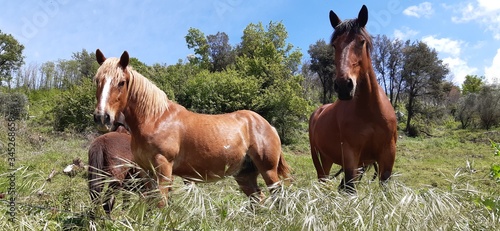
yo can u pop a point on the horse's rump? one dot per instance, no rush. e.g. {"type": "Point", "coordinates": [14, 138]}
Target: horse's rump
{"type": "Point", "coordinates": [109, 157]}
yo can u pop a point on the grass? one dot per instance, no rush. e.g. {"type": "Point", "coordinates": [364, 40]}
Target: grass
{"type": "Point", "coordinates": [439, 183]}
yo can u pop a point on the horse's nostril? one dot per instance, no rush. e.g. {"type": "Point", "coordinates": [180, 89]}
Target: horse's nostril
{"type": "Point", "coordinates": [106, 119]}
{"type": "Point", "coordinates": [96, 119]}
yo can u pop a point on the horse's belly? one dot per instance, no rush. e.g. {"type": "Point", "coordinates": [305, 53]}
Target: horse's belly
{"type": "Point", "coordinates": [208, 167]}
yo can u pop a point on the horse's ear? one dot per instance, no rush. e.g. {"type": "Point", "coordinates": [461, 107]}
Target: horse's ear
{"type": "Point", "coordinates": [124, 59]}
{"type": "Point", "coordinates": [363, 16]}
{"type": "Point", "coordinates": [334, 19]}
{"type": "Point", "coordinates": [99, 57]}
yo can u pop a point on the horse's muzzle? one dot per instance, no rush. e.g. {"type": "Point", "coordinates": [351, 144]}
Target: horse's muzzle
{"type": "Point", "coordinates": [103, 121]}
{"type": "Point", "coordinates": [344, 88]}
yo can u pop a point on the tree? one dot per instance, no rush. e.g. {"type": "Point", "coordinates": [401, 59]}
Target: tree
{"type": "Point", "coordinates": [423, 73]}
{"type": "Point", "coordinates": [466, 110]}
{"type": "Point", "coordinates": [488, 106]}
{"type": "Point", "coordinates": [67, 73]}
{"type": "Point", "coordinates": [221, 53]}
{"type": "Point", "coordinates": [311, 85]}
{"type": "Point", "coordinates": [87, 66]}
{"type": "Point", "coordinates": [387, 57]}
{"type": "Point", "coordinates": [178, 75]}
{"type": "Point", "coordinates": [47, 72]}
{"type": "Point", "coordinates": [11, 56]}
{"type": "Point", "coordinates": [322, 63]}
{"type": "Point", "coordinates": [472, 84]}
{"type": "Point", "coordinates": [196, 40]}
{"type": "Point", "coordinates": [286, 108]}
{"type": "Point", "coordinates": [27, 77]}
{"type": "Point", "coordinates": [264, 53]}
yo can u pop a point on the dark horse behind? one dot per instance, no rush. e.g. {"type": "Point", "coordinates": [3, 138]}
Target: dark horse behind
{"type": "Point", "coordinates": [111, 163]}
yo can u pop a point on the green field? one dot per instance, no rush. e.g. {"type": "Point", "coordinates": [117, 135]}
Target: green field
{"type": "Point", "coordinates": [440, 183]}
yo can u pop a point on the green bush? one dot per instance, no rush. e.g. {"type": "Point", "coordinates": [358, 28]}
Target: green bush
{"type": "Point", "coordinates": [220, 92]}
{"type": "Point", "coordinates": [285, 108]}
{"type": "Point", "coordinates": [13, 105]}
{"type": "Point", "coordinates": [41, 105]}
{"type": "Point", "coordinates": [74, 108]}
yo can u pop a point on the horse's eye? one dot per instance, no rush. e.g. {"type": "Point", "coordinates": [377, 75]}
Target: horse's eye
{"type": "Point", "coordinates": [121, 83]}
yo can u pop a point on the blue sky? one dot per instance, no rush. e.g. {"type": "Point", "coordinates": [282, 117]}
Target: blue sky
{"type": "Point", "coordinates": [466, 33]}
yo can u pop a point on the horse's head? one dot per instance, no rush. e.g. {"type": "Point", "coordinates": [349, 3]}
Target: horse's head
{"type": "Point", "coordinates": [112, 81]}
{"type": "Point", "coordinates": [352, 46]}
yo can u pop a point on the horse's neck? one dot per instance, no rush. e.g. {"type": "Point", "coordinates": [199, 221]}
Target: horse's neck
{"type": "Point", "coordinates": [136, 119]}
{"type": "Point", "coordinates": [145, 104]}
{"type": "Point", "coordinates": [369, 92]}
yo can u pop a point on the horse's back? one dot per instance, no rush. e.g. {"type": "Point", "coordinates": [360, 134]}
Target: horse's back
{"type": "Point", "coordinates": [110, 149]}
{"type": "Point", "coordinates": [117, 144]}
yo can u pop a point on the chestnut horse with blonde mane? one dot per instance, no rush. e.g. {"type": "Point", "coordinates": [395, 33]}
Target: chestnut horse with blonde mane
{"type": "Point", "coordinates": [167, 139]}
{"type": "Point", "coordinates": [360, 128]}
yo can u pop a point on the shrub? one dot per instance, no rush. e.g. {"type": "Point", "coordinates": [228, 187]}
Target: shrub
{"type": "Point", "coordinates": [74, 108]}
{"type": "Point", "coordinates": [13, 105]}
{"type": "Point", "coordinates": [220, 92]}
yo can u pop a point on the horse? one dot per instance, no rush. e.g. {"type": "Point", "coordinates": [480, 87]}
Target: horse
{"type": "Point", "coordinates": [360, 127]}
{"type": "Point", "coordinates": [109, 158]}
{"type": "Point", "coordinates": [167, 139]}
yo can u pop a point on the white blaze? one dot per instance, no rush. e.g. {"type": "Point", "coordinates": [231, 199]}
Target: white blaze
{"type": "Point", "coordinates": [105, 94]}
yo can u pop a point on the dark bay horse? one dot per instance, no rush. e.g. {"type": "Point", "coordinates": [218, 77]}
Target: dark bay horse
{"type": "Point", "coordinates": [167, 139]}
{"type": "Point", "coordinates": [359, 129]}
{"type": "Point", "coordinates": [109, 162]}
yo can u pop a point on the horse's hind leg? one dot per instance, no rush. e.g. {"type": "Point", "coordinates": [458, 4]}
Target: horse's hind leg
{"type": "Point", "coordinates": [247, 180]}
{"type": "Point", "coordinates": [386, 163]}
{"type": "Point", "coordinates": [109, 197]}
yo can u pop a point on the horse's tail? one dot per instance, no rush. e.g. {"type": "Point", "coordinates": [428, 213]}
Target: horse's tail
{"type": "Point", "coordinates": [97, 162]}
{"type": "Point", "coordinates": [284, 169]}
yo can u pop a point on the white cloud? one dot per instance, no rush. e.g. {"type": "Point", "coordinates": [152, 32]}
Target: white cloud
{"type": "Point", "coordinates": [424, 9]}
{"type": "Point", "coordinates": [492, 73]}
{"type": "Point", "coordinates": [405, 33]}
{"type": "Point", "coordinates": [459, 69]}
{"type": "Point", "coordinates": [452, 50]}
{"type": "Point", "coordinates": [492, 5]}
{"type": "Point", "coordinates": [485, 12]}
{"type": "Point", "coordinates": [444, 45]}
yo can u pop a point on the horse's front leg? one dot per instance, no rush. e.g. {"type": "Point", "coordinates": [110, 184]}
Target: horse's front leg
{"type": "Point", "coordinates": [352, 175]}
{"type": "Point", "coordinates": [350, 159]}
{"type": "Point", "coordinates": [322, 165]}
{"type": "Point", "coordinates": [163, 172]}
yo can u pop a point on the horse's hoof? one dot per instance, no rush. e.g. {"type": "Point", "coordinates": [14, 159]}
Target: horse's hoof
{"type": "Point", "coordinates": [161, 204]}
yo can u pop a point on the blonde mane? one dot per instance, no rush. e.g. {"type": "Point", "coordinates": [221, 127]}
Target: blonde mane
{"type": "Point", "coordinates": [150, 100]}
